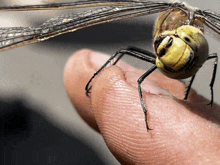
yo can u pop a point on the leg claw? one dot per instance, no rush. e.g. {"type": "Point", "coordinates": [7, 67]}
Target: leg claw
{"type": "Point", "coordinates": [88, 91]}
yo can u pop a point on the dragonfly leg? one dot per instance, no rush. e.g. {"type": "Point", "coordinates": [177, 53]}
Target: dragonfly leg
{"type": "Point", "coordinates": [137, 53]}
{"type": "Point", "coordinates": [211, 56]}
{"type": "Point", "coordinates": [87, 87]}
{"type": "Point", "coordinates": [139, 81]}
{"type": "Point", "coordinates": [189, 87]}
{"type": "Point", "coordinates": [131, 51]}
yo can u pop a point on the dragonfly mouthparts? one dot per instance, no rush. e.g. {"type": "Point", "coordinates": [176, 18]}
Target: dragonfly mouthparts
{"type": "Point", "coordinates": [158, 41]}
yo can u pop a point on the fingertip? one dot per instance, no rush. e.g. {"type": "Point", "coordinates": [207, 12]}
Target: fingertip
{"type": "Point", "coordinates": [80, 66]}
{"type": "Point", "coordinates": [77, 72]}
{"type": "Point", "coordinates": [114, 107]}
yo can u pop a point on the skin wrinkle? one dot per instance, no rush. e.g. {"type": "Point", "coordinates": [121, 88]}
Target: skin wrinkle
{"type": "Point", "coordinates": [118, 114]}
{"type": "Point", "coordinates": [185, 131]}
{"type": "Point", "coordinates": [138, 140]}
{"type": "Point", "coordinates": [170, 140]}
{"type": "Point", "coordinates": [116, 97]}
{"type": "Point", "coordinates": [104, 116]}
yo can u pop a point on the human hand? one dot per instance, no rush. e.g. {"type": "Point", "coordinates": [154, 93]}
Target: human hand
{"type": "Point", "coordinates": [183, 132]}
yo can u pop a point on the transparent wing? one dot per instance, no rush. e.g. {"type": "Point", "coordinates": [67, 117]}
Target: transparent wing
{"type": "Point", "coordinates": [212, 21]}
{"type": "Point", "coordinates": [19, 36]}
{"type": "Point", "coordinates": [68, 5]}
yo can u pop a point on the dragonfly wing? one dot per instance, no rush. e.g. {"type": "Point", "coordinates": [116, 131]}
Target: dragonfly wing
{"type": "Point", "coordinates": [212, 21]}
{"type": "Point", "coordinates": [15, 37]}
{"type": "Point", "coordinates": [68, 5]}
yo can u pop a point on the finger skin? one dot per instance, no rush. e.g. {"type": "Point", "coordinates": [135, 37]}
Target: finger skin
{"type": "Point", "coordinates": [77, 72]}
{"type": "Point", "coordinates": [183, 132]}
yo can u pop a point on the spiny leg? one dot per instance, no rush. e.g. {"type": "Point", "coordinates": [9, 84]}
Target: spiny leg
{"type": "Point", "coordinates": [87, 88]}
{"type": "Point", "coordinates": [137, 53]}
{"type": "Point", "coordinates": [211, 56]}
{"type": "Point", "coordinates": [189, 87]}
{"type": "Point", "coordinates": [132, 51]}
{"type": "Point", "coordinates": [139, 81]}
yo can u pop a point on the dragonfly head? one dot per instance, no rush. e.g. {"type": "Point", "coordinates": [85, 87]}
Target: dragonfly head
{"type": "Point", "coordinates": [181, 52]}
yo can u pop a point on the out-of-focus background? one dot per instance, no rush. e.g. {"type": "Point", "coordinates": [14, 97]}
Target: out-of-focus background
{"type": "Point", "coordinates": [38, 123]}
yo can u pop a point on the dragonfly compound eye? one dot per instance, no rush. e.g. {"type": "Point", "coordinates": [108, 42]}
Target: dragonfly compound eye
{"type": "Point", "coordinates": [196, 40]}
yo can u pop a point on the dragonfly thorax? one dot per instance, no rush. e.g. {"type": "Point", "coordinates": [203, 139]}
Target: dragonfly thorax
{"type": "Point", "coordinates": [181, 52]}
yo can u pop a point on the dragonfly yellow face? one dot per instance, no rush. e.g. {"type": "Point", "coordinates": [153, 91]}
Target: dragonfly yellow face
{"type": "Point", "coordinates": [179, 44]}
{"type": "Point", "coordinates": [181, 49]}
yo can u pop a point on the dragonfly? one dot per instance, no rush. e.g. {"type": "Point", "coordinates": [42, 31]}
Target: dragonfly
{"type": "Point", "coordinates": [180, 48]}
